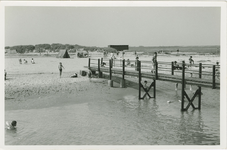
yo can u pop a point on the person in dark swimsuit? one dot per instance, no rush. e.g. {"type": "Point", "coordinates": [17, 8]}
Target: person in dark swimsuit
{"type": "Point", "coordinates": [60, 68]}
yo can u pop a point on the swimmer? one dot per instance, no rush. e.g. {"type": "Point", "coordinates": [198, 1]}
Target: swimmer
{"type": "Point", "coordinates": [11, 125]}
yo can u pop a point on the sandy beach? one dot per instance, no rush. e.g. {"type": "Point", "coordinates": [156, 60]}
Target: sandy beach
{"type": "Point", "coordinates": [35, 92]}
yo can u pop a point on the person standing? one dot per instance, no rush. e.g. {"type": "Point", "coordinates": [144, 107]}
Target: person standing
{"type": "Point", "coordinates": [5, 74]}
{"type": "Point", "coordinates": [60, 68]}
{"type": "Point", "coordinates": [20, 61]}
{"type": "Point", "coordinates": [136, 64]}
{"type": "Point", "coordinates": [154, 62]}
{"type": "Point", "coordinates": [191, 61]}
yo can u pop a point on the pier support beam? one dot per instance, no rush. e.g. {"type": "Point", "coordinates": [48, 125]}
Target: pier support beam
{"type": "Point", "coordinates": [99, 72]}
{"type": "Point", "coordinates": [122, 81]}
{"type": "Point", "coordinates": [110, 83]}
{"type": "Point", "coordinates": [145, 88]}
{"type": "Point", "coordinates": [185, 95]}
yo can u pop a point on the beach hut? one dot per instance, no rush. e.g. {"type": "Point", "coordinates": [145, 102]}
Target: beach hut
{"type": "Point", "coordinates": [63, 54]}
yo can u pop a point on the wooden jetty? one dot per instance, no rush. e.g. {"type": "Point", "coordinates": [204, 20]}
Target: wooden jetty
{"type": "Point", "coordinates": [203, 75]}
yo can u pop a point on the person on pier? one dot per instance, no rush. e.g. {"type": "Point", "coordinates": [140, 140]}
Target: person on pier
{"type": "Point", "coordinates": [217, 70]}
{"type": "Point", "coordinates": [154, 61]}
{"type": "Point", "coordinates": [191, 61]}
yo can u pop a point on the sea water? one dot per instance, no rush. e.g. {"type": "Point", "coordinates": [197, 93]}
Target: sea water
{"type": "Point", "coordinates": [121, 121]}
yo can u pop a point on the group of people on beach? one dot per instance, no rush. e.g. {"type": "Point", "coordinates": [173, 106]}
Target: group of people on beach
{"type": "Point", "coordinates": [25, 61]}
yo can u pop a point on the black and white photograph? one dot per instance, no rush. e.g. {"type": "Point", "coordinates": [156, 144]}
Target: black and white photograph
{"type": "Point", "coordinates": [113, 74]}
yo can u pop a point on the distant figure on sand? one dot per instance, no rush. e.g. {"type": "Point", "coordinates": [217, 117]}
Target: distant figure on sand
{"type": "Point", "coordinates": [60, 68]}
{"type": "Point", "coordinates": [154, 61]}
{"type": "Point", "coordinates": [11, 125]}
{"type": "Point", "coordinates": [5, 74]}
{"type": "Point", "coordinates": [74, 75]}
{"type": "Point", "coordinates": [32, 61]}
{"type": "Point", "coordinates": [25, 61]}
{"type": "Point", "coordinates": [20, 61]}
{"type": "Point", "coordinates": [191, 61]}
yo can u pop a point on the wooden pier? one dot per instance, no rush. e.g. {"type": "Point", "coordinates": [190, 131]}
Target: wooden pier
{"type": "Point", "coordinates": [201, 76]}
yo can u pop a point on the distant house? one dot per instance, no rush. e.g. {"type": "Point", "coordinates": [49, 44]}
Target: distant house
{"type": "Point", "coordinates": [119, 47]}
{"type": "Point", "coordinates": [63, 54]}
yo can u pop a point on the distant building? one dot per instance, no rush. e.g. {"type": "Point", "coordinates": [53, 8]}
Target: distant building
{"type": "Point", "coordinates": [119, 47]}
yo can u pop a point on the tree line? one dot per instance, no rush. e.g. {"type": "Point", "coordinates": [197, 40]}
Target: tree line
{"type": "Point", "coordinates": [55, 47]}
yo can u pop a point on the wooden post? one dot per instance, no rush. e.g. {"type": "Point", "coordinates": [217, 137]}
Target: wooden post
{"type": "Point", "coordinates": [200, 76]}
{"type": "Point", "coordinates": [156, 70]}
{"type": "Point", "coordinates": [200, 70]}
{"type": "Point", "coordinates": [172, 68]}
{"type": "Point", "coordinates": [110, 66]}
{"type": "Point", "coordinates": [199, 102]}
{"type": "Point", "coordinates": [99, 68]}
{"type": "Point", "coordinates": [213, 85]}
{"type": "Point", "coordinates": [110, 81]}
{"type": "Point", "coordinates": [138, 67]}
{"type": "Point", "coordinates": [123, 69]}
{"type": "Point", "coordinates": [122, 82]}
{"type": "Point", "coordinates": [183, 84]}
{"type": "Point", "coordinates": [154, 88]}
{"type": "Point", "coordinates": [101, 62]}
{"type": "Point", "coordinates": [89, 63]}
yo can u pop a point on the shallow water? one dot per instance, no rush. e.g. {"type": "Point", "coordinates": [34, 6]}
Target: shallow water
{"type": "Point", "coordinates": [121, 121]}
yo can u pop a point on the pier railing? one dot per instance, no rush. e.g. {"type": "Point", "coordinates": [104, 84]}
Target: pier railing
{"type": "Point", "coordinates": [206, 75]}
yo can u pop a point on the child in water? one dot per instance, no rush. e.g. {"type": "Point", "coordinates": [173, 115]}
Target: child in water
{"type": "Point", "coordinates": [11, 125]}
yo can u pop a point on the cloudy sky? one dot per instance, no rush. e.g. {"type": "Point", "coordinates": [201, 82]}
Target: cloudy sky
{"type": "Point", "coordinates": [102, 26]}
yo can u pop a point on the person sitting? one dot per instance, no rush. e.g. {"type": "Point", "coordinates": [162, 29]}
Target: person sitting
{"type": "Point", "coordinates": [74, 75]}
{"type": "Point", "coordinates": [11, 125]}
{"type": "Point", "coordinates": [25, 61]}
{"type": "Point", "coordinates": [103, 64]}
{"type": "Point", "coordinates": [176, 66]}
{"type": "Point", "coordinates": [32, 61]}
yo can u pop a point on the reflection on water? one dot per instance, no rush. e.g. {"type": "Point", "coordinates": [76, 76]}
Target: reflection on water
{"type": "Point", "coordinates": [126, 121]}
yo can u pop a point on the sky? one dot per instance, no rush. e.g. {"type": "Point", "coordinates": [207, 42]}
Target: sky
{"type": "Point", "coordinates": [103, 26]}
